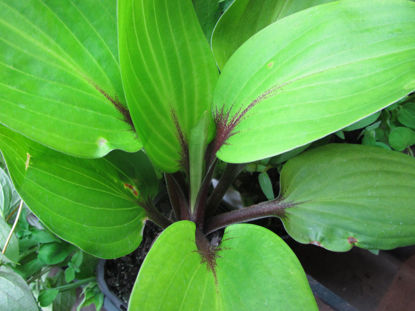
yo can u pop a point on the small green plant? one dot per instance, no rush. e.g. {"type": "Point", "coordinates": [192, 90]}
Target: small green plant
{"type": "Point", "coordinates": [35, 263]}
{"type": "Point", "coordinates": [80, 79]}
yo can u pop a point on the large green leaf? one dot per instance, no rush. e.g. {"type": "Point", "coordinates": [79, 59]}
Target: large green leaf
{"type": "Point", "coordinates": [15, 295]}
{"type": "Point", "coordinates": [244, 18]}
{"type": "Point", "coordinates": [60, 82]}
{"type": "Point", "coordinates": [255, 270]}
{"type": "Point", "coordinates": [350, 195]}
{"type": "Point", "coordinates": [90, 203]}
{"type": "Point", "coordinates": [168, 74]}
{"type": "Point", "coordinates": [313, 73]}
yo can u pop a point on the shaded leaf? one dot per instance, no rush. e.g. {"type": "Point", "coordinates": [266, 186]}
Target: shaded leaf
{"type": "Point", "coordinates": [54, 253]}
{"type": "Point", "coordinates": [266, 185]}
{"type": "Point", "coordinates": [15, 295]}
{"type": "Point", "coordinates": [401, 137]}
{"type": "Point", "coordinates": [69, 274]}
{"type": "Point", "coordinates": [60, 81]}
{"type": "Point", "coordinates": [350, 195]}
{"type": "Point", "coordinates": [46, 297]}
{"type": "Point", "coordinates": [65, 300]}
{"type": "Point", "coordinates": [6, 194]}
{"type": "Point", "coordinates": [244, 18]}
{"type": "Point", "coordinates": [168, 74]}
{"type": "Point", "coordinates": [406, 115]}
{"type": "Point", "coordinates": [362, 123]}
{"type": "Point", "coordinates": [313, 73]}
{"type": "Point", "coordinates": [12, 252]}
{"type": "Point", "coordinates": [90, 203]}
{"type": "Point", "coordinates": [208, 12]}
{"type": "Point", "coordinates": [252, 263]}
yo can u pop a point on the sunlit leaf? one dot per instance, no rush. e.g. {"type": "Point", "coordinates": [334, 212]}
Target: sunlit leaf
{"type": "Point", "coordinates": [90, 203]}
{"type": "Point", "coordinates": [254, 270]}
{"type": "Point", "coordinates": [168, 74]}
{"type": "Point", "coordinates": [60, 81]}
{"type": "Point", "coordinates": [313, 73]}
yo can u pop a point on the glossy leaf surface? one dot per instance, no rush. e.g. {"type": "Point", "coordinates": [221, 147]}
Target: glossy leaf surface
{"type": "Point", "coordinates": [313, 73]}
{"type": "Point", "coordinates": [15, 295]}
{"type": "Point", "coordinates": [168, 73]}
{"type": "Point", "coordinates": [350, 195]}
{"type": "Point", "coordinates": [90, 203]}
{"type": "Point", "coordinates": [255, 270]}
{"type": "Point", "coordinates": [60, 82]}
{"type": "Point", "coordinates": [244, 18]}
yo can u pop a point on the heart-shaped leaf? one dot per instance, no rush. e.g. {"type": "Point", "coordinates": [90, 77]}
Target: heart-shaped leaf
{"type": "Point", "coordinates": [90, 203]}
{"type": "Point", "coordinates": [60, 81]}
{"type": "Point", "coordinates": [401, 138]}
{"type": "Point", "coordinates": [313, 73]}
{"type": "Point", "coordinates": [244, 18]}
{"type": "Point", "coordinates": [406, 115]}
{"type": "Point", "coordinates": [253, 270]}
{"type": "Point", "coordinates": [168, 74]}
{"type": "Point", "coordinates": [348, 195]}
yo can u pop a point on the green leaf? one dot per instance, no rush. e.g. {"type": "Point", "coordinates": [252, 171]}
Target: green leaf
{"type": "Point", "coordinates": [60, 81]}
{"type": "Point", "coordinates": [138, 167]}
{"type": "Point", "coordinates": [12, 251]}
{"type": "Point", "coordinates": [266, 185]}
{"type": "Point", "coordinates": [69, 274]}
{"type": "Point", "coordinates": [15, 295]}
{"type": "Point", "coordinates": [197, 150]}
{"type": "Point", "coordinates": [348, 195]}
{"type": "Point", "coordinates": [288, 155]}
{"type": "Point", "coordinates": [77, 259]}
{"type": "Point", "coordinates": [168, 73]}
{"type": "Point", "coordinates": [208, 12]}
{"type": "Point", "coordinates": [46, 297]}
{"type": "Point", "coordinates": [90, 203]}
{"type": "Point", "coordinates": [91, 295]}
{"type": "Point", "coordinates": [254, 270]}
{"type": "Point", "coordinates": [363, 123]}
{"type": "Point", "coordinates": [244, 18]}
{"type": "Point", "coordinates": [54, 253]}
{"type": "Point", "coordinates": [313, 73]}
{"type": "Point", "coordinates": [406, 115]}
{"type": "Point", "coordinates": [29, 268]}
{"type": "Point", "coordinates": [6, 194]}
{"type": "Point", "coordinates": [401, 138]}
{"type": "Point", "coordinates": [64, 301]}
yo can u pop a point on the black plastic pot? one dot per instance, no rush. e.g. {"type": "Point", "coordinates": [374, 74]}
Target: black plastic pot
{"type": "Point", "coordinates": [111, 301]}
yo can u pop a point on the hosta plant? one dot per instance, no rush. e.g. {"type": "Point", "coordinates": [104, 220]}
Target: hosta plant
{"type": "Point", "coordinates": [85, 85]}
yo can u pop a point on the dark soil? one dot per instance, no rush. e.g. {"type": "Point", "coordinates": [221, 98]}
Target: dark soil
{"type": "Point", "coordinates": [120, 273]}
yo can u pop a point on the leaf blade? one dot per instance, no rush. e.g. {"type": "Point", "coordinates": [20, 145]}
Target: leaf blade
{"type": "Point", "coordinates": [87, 202]}
{"type": "Point", "coordinates": [168, 73]}
{"type": "Point", "coordinates": [350, 195]}
{"type": "Point", "coordinates": [288, 95]}
{"type": "Point", "coordinates": [185, 283]}
{"type": "Point", "coordinates": [244, 18]}
{"type": "Point", "coordinates": [60, 78]}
